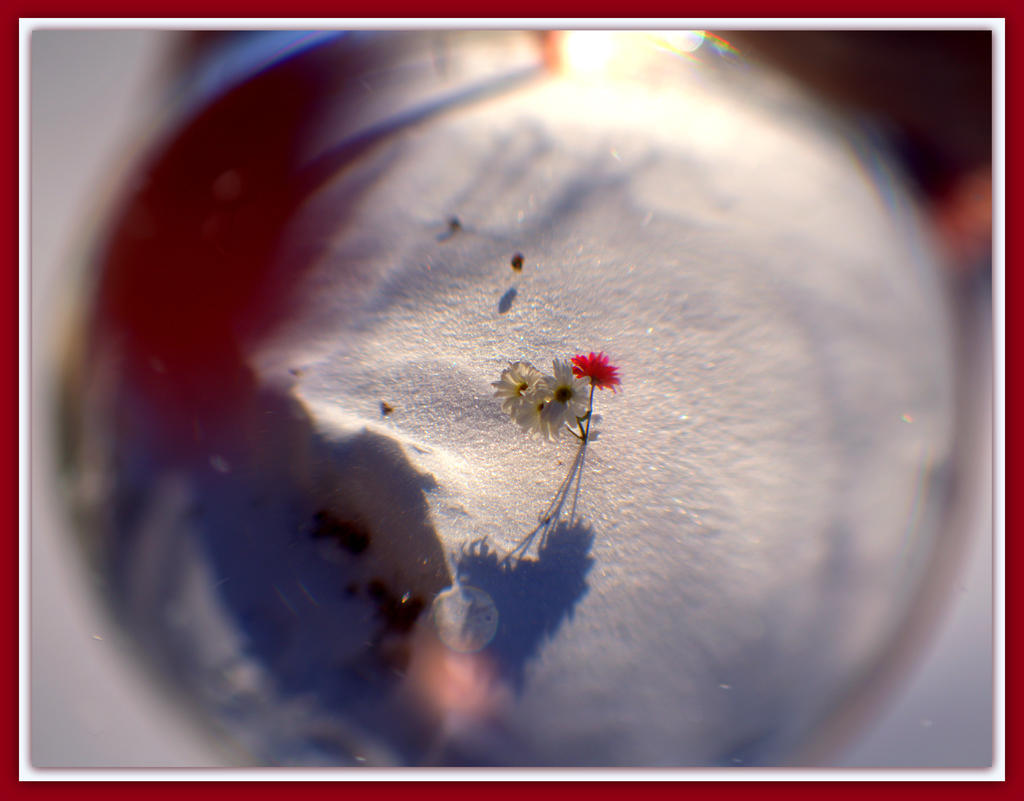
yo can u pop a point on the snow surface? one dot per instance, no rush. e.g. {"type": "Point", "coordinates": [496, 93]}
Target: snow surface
{"type": "Point", "coordinates": [741, 547]}
{"type": "Point", "coordinates": [753, 511]}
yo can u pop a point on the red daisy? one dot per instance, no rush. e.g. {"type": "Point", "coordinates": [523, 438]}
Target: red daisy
{"type": "Point", "coordinates": [596, 367]}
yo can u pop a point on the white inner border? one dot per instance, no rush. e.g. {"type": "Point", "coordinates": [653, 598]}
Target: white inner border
{"type": "Point", "coordinates": [996, 772]}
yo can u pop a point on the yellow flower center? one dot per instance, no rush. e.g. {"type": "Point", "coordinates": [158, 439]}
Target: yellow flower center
{"type": "Point", "coordinates": [563, 394]}
{"type": "Point", "coordinates": [521, 388]}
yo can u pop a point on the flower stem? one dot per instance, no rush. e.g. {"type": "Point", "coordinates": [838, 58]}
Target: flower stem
{"type": "Point", "coordinates": [582, 436]}
{"type": "Point", "coordinates": [590, 411]}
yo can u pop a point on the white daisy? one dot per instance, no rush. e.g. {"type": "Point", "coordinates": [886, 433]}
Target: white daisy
{"type": "Point", "coordinates": [530, 414]}
{"type": "Point", "coordinates": [516, 381]}
{"type": "Point", "coordinates": [568, 396]}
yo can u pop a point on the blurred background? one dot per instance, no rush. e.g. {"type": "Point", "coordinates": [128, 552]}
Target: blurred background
{"type": "Point", "coordinates": [99, 99]}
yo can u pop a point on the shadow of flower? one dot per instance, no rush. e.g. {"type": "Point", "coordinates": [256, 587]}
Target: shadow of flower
{"type": "Point", "coordinates": [534, 596]}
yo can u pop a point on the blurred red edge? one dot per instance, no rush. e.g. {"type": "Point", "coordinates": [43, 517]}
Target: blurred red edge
{"type": "Point", "coordinates": [597, 781]}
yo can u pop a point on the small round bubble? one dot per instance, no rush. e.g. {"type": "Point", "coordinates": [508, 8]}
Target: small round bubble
{"type": "Point", "coordinates": [466, 618]}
